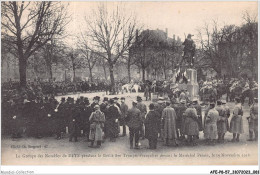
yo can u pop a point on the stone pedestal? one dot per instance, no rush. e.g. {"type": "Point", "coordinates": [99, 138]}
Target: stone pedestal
{"type": "Point", "coordinates": [192, 86]}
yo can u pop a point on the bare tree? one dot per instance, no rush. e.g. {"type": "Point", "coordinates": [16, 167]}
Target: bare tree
{"type": "Point", "coordinates": [27, 26]}
{"type": "Point", "coordinates": [91, 60]}
{"type": "Point", "coordinates": [52, 53]}
{"type": "Point", "coordinates": [112, 32]}
{"type": "Point", "coordinates": [76, 61]}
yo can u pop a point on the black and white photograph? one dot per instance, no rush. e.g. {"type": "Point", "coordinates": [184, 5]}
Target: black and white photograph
{"type": "Point", "coordinates": [129, 83]}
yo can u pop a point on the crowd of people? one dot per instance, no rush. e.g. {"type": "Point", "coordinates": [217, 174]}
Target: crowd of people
{"type": "Point", "coordinates": [58, 87]}
{"type": "Point", "coordinates": [172, 121]}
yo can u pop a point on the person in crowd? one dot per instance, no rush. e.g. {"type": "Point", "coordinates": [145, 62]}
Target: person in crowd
{"type": "Point", "coordinates": [180, 110]}
{"type": "Point", "coordinates": [236, 123]}
{"type": "Point", "coordinates": [211, 130]}
{"type": "Point", "coordinates": [197, 106]}
{"type": "Point", "coordinates": [74, 121]}
{"type": "Point", "coordinates": [97, 120]}
{"type": "Point", "coordinates": [112, 114]}
{"type": "Point", "coordinates": [159, 106]}
{"type": "Point", "coordinates": [221, 123]}
{"type": "Point", "coordinates": [169, 121]}
{"type": "Point", "coordinates": [191, 126]}
{"type": "Point", "coordinates": [103, 105]}
{"type": "Point", "coordinates": [86, 115]}
{"type": "Point", "coordinates": [134, 122]}
{"type": "Point", "coordinates": [60, 122]}
{"type": "Point", "coordinates": [226, 117]}
{"type": "Point", "coordinates": [116, 102]}
{"type": "Point", "coordinates": [146, 92]}
{"type": "Point", "coordinates": [152, 126]}
{"type": "Point", "coordinates": [123, 109]}
{"type": "Point", "coordinates": [253, 121]}
{"type": "Point", "coordinates": [117, 105]}
{"type": "Point", "coordinates": [96, 100]}
{"type": "Point", "coordinates": [142, 107]}
{"type": "Point", "coordinates": [15, 118]}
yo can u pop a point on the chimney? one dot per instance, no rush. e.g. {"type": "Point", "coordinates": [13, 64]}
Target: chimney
{"type": "Point", "coordinates": [166, 31]}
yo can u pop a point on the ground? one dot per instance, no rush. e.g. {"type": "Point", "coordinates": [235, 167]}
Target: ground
{"type": "Point", "coordinates": [49, 151]}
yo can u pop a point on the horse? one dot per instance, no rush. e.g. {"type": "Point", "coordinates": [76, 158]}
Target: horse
{"type": "Point", "coordinates": [126, 87]}
{"type": "Point", "coordinates": [135, 87]}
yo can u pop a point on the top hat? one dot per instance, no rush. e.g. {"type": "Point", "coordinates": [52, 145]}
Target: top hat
{"type": "Point", "coordinates": [105, 99]}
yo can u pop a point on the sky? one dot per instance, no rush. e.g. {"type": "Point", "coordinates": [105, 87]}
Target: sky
{"type": "Point", "coordinates": [178, 17]}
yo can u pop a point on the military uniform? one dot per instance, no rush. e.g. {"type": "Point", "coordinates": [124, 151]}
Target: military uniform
{"type": "Point", "coordinates": [124, 109]}
{"type": "Point", "coordinates": [253, 122]}
{"type": "Point", "coordinates": [142, 108]}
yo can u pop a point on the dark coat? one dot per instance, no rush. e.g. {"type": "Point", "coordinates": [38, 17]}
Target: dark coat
{"type": "Point", "coordinates": [152, 125]}
{"type": "Point", "coordinates": [111, 115]}
{"type": "Point", "coordinates": [134, 118]}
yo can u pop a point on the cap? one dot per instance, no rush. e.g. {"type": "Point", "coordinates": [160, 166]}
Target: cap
{"type": "Point", "coordinates": [105, 99]}
{"type": "Point", "coordinates": [183, 101]}
{"type": "Point", "coordinates": [161, 98]}
{"type": "Point", "coordinates": [134, 101]}
{"type": "Point", "coordinates": [96, 107]}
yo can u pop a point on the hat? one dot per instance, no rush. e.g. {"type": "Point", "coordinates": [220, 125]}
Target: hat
{"type": "Point", "coordinates": [122, 98]}
{"type": "Point", "coordinates": [183, 101]}
{"type": "Point", "coordinates": [195, 99]}
{"type": "Point", "coordinates": [96, 98]}
{"type": "Point", "coordinates": [111, 100]}
{"type": "Point", "coordinates": [224, 101]}
{"type": "Point", "coordinates": [161, 98]}
{"type": "Point", "coordinates": [115, 98]}
{"type": "Point", "coordinates": [96, 107]}
{"type": "Point", "coordinates": [63, 99]}
{"type": "Point", "coordinates": [26, 101]}
{"type": "Point", "coordinates": [105, 99]}
{"type": "Point", "coordinates": [138, 98]}
{"type": "Point", "coordinates": [212, 103]}
{"type": "Point", "coordinates": [134, 101]}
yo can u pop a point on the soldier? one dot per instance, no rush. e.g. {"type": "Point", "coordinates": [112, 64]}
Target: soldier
{"type": "Point", "coordinates": [191, 127]}
{"type": "Point", "coordinates": [236, 123]}
{"type": "Point", "coordinates": [124, 109]}
{"type": "Point", "coordinates": [159, 106]}
{"type": "Point", "coordinates": [117, 105]}
{"type": "Point", "coordinates": [180, 110]}
{"type": "Point", "coordinates": [142, 108]}
{"type": "Point", "coordinates": [169, 120]}
{"type": "Point", "coordinates": [199, 114]}
{"type": "Point", "coordinates": [253, 121]}
{"type": "Point", "coordinates": [210, 131]}
{"type": "Point", "coordinates": [134, 122]}
{"type": "Point", "coordinates": [221, 124]}
{"type": "Point", "coordinates": [97, 120]}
